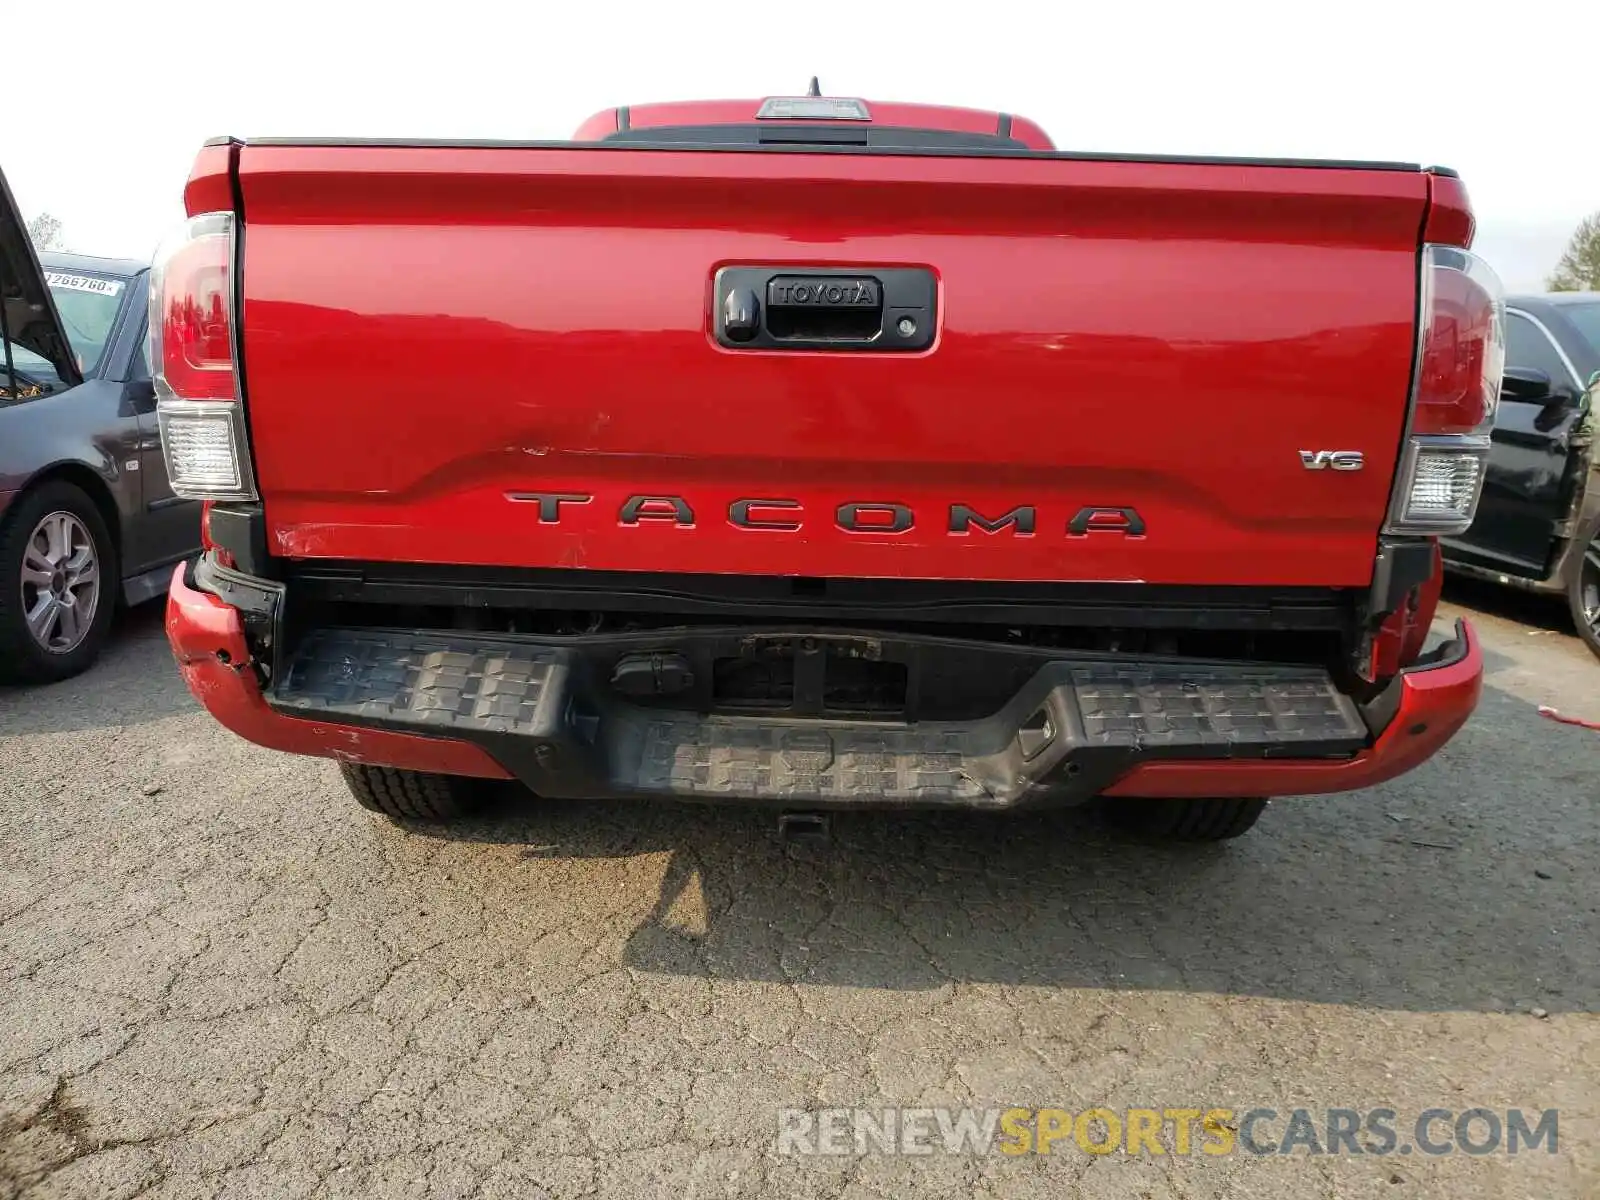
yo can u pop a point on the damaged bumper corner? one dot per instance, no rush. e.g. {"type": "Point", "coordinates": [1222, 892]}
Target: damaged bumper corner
{"type": "Point", "coordinates": [207, 638]}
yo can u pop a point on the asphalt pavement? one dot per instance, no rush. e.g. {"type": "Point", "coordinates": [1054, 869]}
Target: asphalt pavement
{"type": "Point", "coordinates": [220, 977]}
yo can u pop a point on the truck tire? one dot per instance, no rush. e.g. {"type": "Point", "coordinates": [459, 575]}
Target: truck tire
{"type": "Point", "coordinates": [58, 566]}
{"type": "Point", "coordinates": [1583, 590]}
{"type": "Point", "coordinates": [1207, 820]}
{"type": "Point", "coordinates": [411, 795]}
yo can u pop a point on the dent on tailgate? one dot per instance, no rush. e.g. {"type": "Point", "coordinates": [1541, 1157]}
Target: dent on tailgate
{"type": "Point", "coordinates": [465, 325]}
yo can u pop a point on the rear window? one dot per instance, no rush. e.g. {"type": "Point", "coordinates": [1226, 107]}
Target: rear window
{"type": "Point", "coordinates": [88, 304]}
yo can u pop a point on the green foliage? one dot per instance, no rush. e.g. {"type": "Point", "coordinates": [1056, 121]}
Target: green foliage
{"type": "Point", "coordinates": [1579, 268]}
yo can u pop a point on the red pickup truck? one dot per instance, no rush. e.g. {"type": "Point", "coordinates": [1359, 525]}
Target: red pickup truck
{"type": "Point", "coordinates": [825, 453]}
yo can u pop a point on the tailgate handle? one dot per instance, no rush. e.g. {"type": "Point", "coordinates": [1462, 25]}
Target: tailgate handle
{"type": "Point", "coordinates": [873, 309]}
{"type": "Point", "coordinates": [824, 308]}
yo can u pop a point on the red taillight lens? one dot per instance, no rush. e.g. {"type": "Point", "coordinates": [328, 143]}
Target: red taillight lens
{"type": "Point", "coordinates": [207, 542]}
{"type": "Point", "coordinates": [192, 365]}
{"type": "Point", "coordinates": [1462, 351]}
{"type": "Point", "coordinates": [191, 325]}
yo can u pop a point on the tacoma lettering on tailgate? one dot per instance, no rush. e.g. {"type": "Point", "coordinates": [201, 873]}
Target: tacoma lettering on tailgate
{"type": "Point", "coordinates": [853, 516]}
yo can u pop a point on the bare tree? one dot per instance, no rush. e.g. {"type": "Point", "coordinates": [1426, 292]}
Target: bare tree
{"type": "Point", "coordinates": [1579, 268]}
{"type": "Point", "coordinates": [45, 231]}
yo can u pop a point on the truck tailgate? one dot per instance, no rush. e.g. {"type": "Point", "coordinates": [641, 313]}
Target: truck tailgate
{"type": "Point", "coordinates": [1132, 358]}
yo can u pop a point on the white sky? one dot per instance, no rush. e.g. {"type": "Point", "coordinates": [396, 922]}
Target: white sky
{"type": "Point", "coordinates": [1509, 95]}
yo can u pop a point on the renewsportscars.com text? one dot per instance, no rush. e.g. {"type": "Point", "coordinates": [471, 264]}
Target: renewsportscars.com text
{"type": "Point", "coordinates": [1260, 1132]}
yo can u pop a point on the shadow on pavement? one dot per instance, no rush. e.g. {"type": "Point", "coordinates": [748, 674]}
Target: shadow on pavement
{"type": "Point", "coordinates": [134, 680]}
{"type": "Point", "coordinates": [1460, 887]}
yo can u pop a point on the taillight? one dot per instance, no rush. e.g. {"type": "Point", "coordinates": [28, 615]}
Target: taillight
{"type": "Point", "coordinates": [1461, 351]}
{"type": "Point", "coordinates": [192, 362]}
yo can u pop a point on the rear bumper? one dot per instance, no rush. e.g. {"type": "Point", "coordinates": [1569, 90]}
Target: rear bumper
{"type": "Point", "coordinates": [207, 636]}
{"type": "Point", "coordinates": [1433, 701]}
{"type": "Point", "coordinates": [1081, 726]}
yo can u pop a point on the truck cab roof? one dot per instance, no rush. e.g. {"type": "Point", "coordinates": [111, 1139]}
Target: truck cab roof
{"type": "Point", "coordinates": [822, 120]}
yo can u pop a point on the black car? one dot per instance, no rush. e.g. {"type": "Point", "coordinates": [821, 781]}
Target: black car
{"type": "Point", "coordinates": [86, 516]}
{"type": "Point", "coordinates": [1538, 524]}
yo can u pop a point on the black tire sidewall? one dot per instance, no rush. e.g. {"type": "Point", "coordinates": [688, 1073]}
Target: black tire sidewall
{"type": "Point", "coordinates": [1213, 819]}
{"type": "Point", "coordinates": [412, 796]}
{"type": "Point", "coordinates": [1575, 587]}
{"type": "Point", "coordinates": [23, 660]}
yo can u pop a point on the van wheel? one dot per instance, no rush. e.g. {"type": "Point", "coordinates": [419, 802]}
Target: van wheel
{"type": "Point", "coordinates": [1583, 592]}
{"type": "Point", "coordinates": [1208, 820]}
{"type": "Point", "coordinates": [411, 795]}
{"type": "Point", "coordinates": [58, 584]}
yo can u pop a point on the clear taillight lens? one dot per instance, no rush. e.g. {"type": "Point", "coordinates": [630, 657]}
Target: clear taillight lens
{"type": "Point", "coordinates": [1440, 479]}
{"type": "Point", "coordinates": [203, 443]}
{"type": "Point", "coordinates": [192, 363]}
{"type": "Point", "coordinates": [1460, 358]}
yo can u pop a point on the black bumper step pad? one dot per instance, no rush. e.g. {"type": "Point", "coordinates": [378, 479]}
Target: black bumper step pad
{"type": "Point", "coordinates": [545, 713]}
{"type": "Point", "coordinates": [404, 679]}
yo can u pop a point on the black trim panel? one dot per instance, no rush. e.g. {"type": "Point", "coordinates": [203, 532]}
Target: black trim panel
{"type": "Point", "coordinates": [251, 596]}
{"type": "Point", "coordinates": [767, 596]}
{"type": "Point", "coordinates": [241, 530]}
{"type": "Point", "coordinates": [1402, 565]}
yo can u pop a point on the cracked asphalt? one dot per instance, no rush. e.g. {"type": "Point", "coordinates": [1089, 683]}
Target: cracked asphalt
{"type": "Point", "coordinates": [221, 978]}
